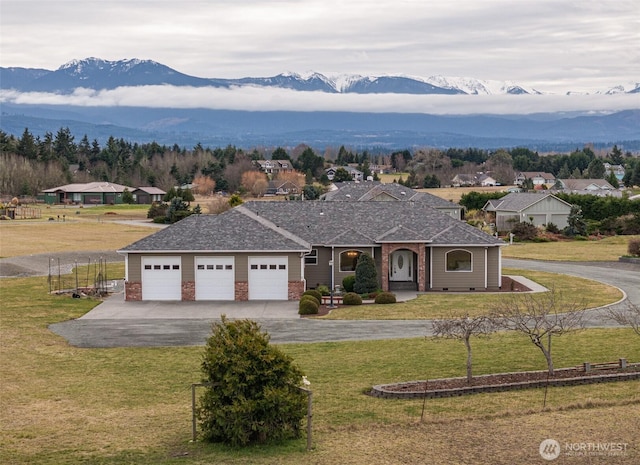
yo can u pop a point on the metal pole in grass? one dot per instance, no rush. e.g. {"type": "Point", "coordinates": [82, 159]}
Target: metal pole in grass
{"type": "Point", "coordinates": [309, 416]}
{"type": "Point", "coordinates": [424, 400]}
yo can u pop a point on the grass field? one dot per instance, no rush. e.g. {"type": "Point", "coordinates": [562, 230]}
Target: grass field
{"type": "Point", "coordinates": [607, 249]}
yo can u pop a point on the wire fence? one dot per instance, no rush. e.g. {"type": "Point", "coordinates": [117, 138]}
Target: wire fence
{"type": "Point", "coordinates": [68, 279]}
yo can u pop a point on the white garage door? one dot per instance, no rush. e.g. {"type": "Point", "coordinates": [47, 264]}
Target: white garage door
{"type": "Point", "coordinates": [161, 278]}
{"type": "Point", "coordinates": [215, 278]}
{"type": "Point", "coordinates": [268, 278]}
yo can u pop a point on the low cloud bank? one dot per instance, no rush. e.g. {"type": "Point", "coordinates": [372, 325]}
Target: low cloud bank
{"type": "Point", "coordinates": [267, 99]}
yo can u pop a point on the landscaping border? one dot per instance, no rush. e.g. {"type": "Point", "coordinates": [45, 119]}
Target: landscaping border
{"type": "Point", "coordinates": [383, 390]}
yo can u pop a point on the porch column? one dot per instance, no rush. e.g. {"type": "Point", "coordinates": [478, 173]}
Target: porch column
{"type": "Point", "coordinates": [422, 267]}
{"type": "Point", "coordinates": [386, 252]}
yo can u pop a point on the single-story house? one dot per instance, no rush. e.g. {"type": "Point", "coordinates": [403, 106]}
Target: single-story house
{"type": "Point", "coordinates": [522, 207]}
{"type": "Point", "coordinates": [593, 185]}
{"type": "Point", "coordinates": [276, 250]}
{"type": "Point", "coordinates": [485, 180]}
{"type": "Point", "coordinates": [537, 177]}
{"type": "Point", "coordinates": [148, 195]}
{"type": "Point", "coordinates": [279, 187]}
{"type": "Point", "coordinates": [97, 193]}
{"type": "Point", "coordinates": [356, 174]}
{"type": "Point", "coordinates": [464, 180]}
{"type": "Point", "coordinates": [379, 192]}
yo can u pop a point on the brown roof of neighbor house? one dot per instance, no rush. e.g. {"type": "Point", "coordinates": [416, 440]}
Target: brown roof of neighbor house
{"type": "Point", "coordinates": [90, 187]}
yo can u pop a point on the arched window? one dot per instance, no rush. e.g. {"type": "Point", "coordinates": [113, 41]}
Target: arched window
{"type": "Point", "coordinates": [459, 260]}
{"type": "Point", "coordinates": [349, 259]}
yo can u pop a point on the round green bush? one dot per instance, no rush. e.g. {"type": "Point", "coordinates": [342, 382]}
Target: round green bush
{"type": "Point", "coordinates": [386, 298]}
{"type": "Point", "coordinates": [308, 307]}
{"type": "Point", "coordinates": [315, 293]}
{"type": "Point", "coordinates": [310, 297]}
{"type": "Point", "coordinates": [322, 289]}
{"type": "Point", "coordinates": [348, 283]}
{"type": "Point", "coordinates": [351, 298]}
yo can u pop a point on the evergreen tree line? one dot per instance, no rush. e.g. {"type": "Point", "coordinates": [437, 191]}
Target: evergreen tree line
{"type": "Point", "coordinates": [29, 164]}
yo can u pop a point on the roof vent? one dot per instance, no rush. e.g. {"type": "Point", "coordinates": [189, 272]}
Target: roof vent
{"type": "Point", "coordinates": [348, 196]}
{"type": "Point", "coordinates": [403, 193]}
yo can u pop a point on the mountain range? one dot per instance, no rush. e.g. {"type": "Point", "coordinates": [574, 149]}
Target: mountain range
{"type": "Point", "coordinates": [220, 127]}
{"type": "Point", "coordinates": [98, 74]}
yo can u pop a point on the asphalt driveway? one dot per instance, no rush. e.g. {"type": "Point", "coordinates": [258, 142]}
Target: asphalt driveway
{"type": "Point", "coordinates": [116, 323]}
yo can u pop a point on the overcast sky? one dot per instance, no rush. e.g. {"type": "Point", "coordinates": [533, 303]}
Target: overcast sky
{"type": "Point", "coordinates": [550, 45]}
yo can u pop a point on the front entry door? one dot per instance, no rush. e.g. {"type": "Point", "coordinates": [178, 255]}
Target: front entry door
{"type": "Point", "coordinates": [401, 266]}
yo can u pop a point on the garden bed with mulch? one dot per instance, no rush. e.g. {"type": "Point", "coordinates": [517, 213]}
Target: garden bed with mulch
{"type": "Point", "coordinates": [452, 387]}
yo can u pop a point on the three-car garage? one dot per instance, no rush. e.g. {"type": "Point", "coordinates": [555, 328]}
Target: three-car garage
{"type": "Point", "coordinates": [214, 277]}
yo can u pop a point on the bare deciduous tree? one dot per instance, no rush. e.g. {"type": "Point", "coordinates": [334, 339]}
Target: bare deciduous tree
{"type": "Point", "coordinates": [540, 317]}
{"type": "Point", "coordinates": [629, 316]}
{"type": "Point", "coordinates": [203, 185]}
{"type": "Point", "coordinates": [294, 177]}
{"type": "Point", "coordinates": [255, 182]}
{"type": "Point", "coordinates": [463, 329]}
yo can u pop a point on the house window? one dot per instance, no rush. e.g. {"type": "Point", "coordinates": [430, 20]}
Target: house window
{"type": "Point", "coordinates": [459, 260]}
{"type": "Point", "coordinates": [311, 258]}
{"type": "Point", "coordinates": [349, 259]}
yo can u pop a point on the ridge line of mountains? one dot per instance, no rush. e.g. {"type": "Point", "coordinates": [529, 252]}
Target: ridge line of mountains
{"type": "Point", "coordinates": [550, 131]}
{"type": "Point", "coordinates": [98, 74]}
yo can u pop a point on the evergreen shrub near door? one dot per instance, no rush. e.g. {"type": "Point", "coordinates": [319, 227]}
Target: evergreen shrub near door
{"type": "Point", "coordinates": [252, 393]}
{"type": "Point", "coordinates": [366, 275]}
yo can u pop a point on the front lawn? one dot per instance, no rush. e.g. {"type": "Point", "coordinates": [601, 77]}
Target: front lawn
{"type": "Point", "coordinates": [64, 405]}
{"type": "Point", "coordinates": [450, 304]}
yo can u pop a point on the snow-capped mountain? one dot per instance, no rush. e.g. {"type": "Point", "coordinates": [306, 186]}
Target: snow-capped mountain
{"type": "Point", "coordinates": [95, 73]}
{"type": "Point", "coordinates": [628, 88]}
{"type": "Point", "coordinates": [475, 86]}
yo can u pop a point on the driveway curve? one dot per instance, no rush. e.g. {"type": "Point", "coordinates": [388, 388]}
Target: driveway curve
{"type": "Point", "coordinates": [164, 326]}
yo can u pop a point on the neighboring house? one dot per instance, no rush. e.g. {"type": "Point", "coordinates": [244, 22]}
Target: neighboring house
{"type": "Point", "coordinates": [276, 250]}
{"type": "Point", "coordinates": [590, 185]}
{"type": "Point", "coordinates": [96, 193]}
{"type": "Point", "coordinates": [148, 195]}
{"type": "Point", "coordinates": [522, 207]}
{"type": "Point", "coordinates": [464, 180]}
{"type": "Point", "coordinates": [356, 175]}
{"type": "Point", "coordinates": [538, 178]}
{"type": "Point", "coordinates": [274, 166]}
{"type": "Point", "coordinates": [279, 187]}
{"type": "Point", "coordinates": [598, 187]}
{"type": "Point", "coordinates": [486, 180]}
{"type": "Point", "coordinates": [617, 170]}
{"type": "Point", "coordinates": [378, 192]}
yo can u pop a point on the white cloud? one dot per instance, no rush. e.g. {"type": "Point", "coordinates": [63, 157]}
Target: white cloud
{"type": "Point", "coordinates": [268, 99]}
{"type": "Point", "coordinates": [553, 45]}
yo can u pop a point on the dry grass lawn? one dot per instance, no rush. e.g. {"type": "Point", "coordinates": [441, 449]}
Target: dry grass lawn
{"type": "Point", "coordinates": [606, 249]}
{"type": "Point", "coordinates": [25, 238]}
{"type": "Point", "coordinates": [452, 304]}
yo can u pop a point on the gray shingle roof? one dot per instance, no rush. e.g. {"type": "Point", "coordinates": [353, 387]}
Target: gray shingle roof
{"type": "Point", "coordinates": [296, 226]}
{"type": "Point", "coordinates": [517, 201]}
{"type": "Point", "coordinates": [233, 230]}
{"type": "Point", "coordinates": [371, 190]}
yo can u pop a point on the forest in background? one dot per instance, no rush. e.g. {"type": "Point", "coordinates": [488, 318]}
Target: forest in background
{"type": "Point", "coordinates": [30, 164]}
